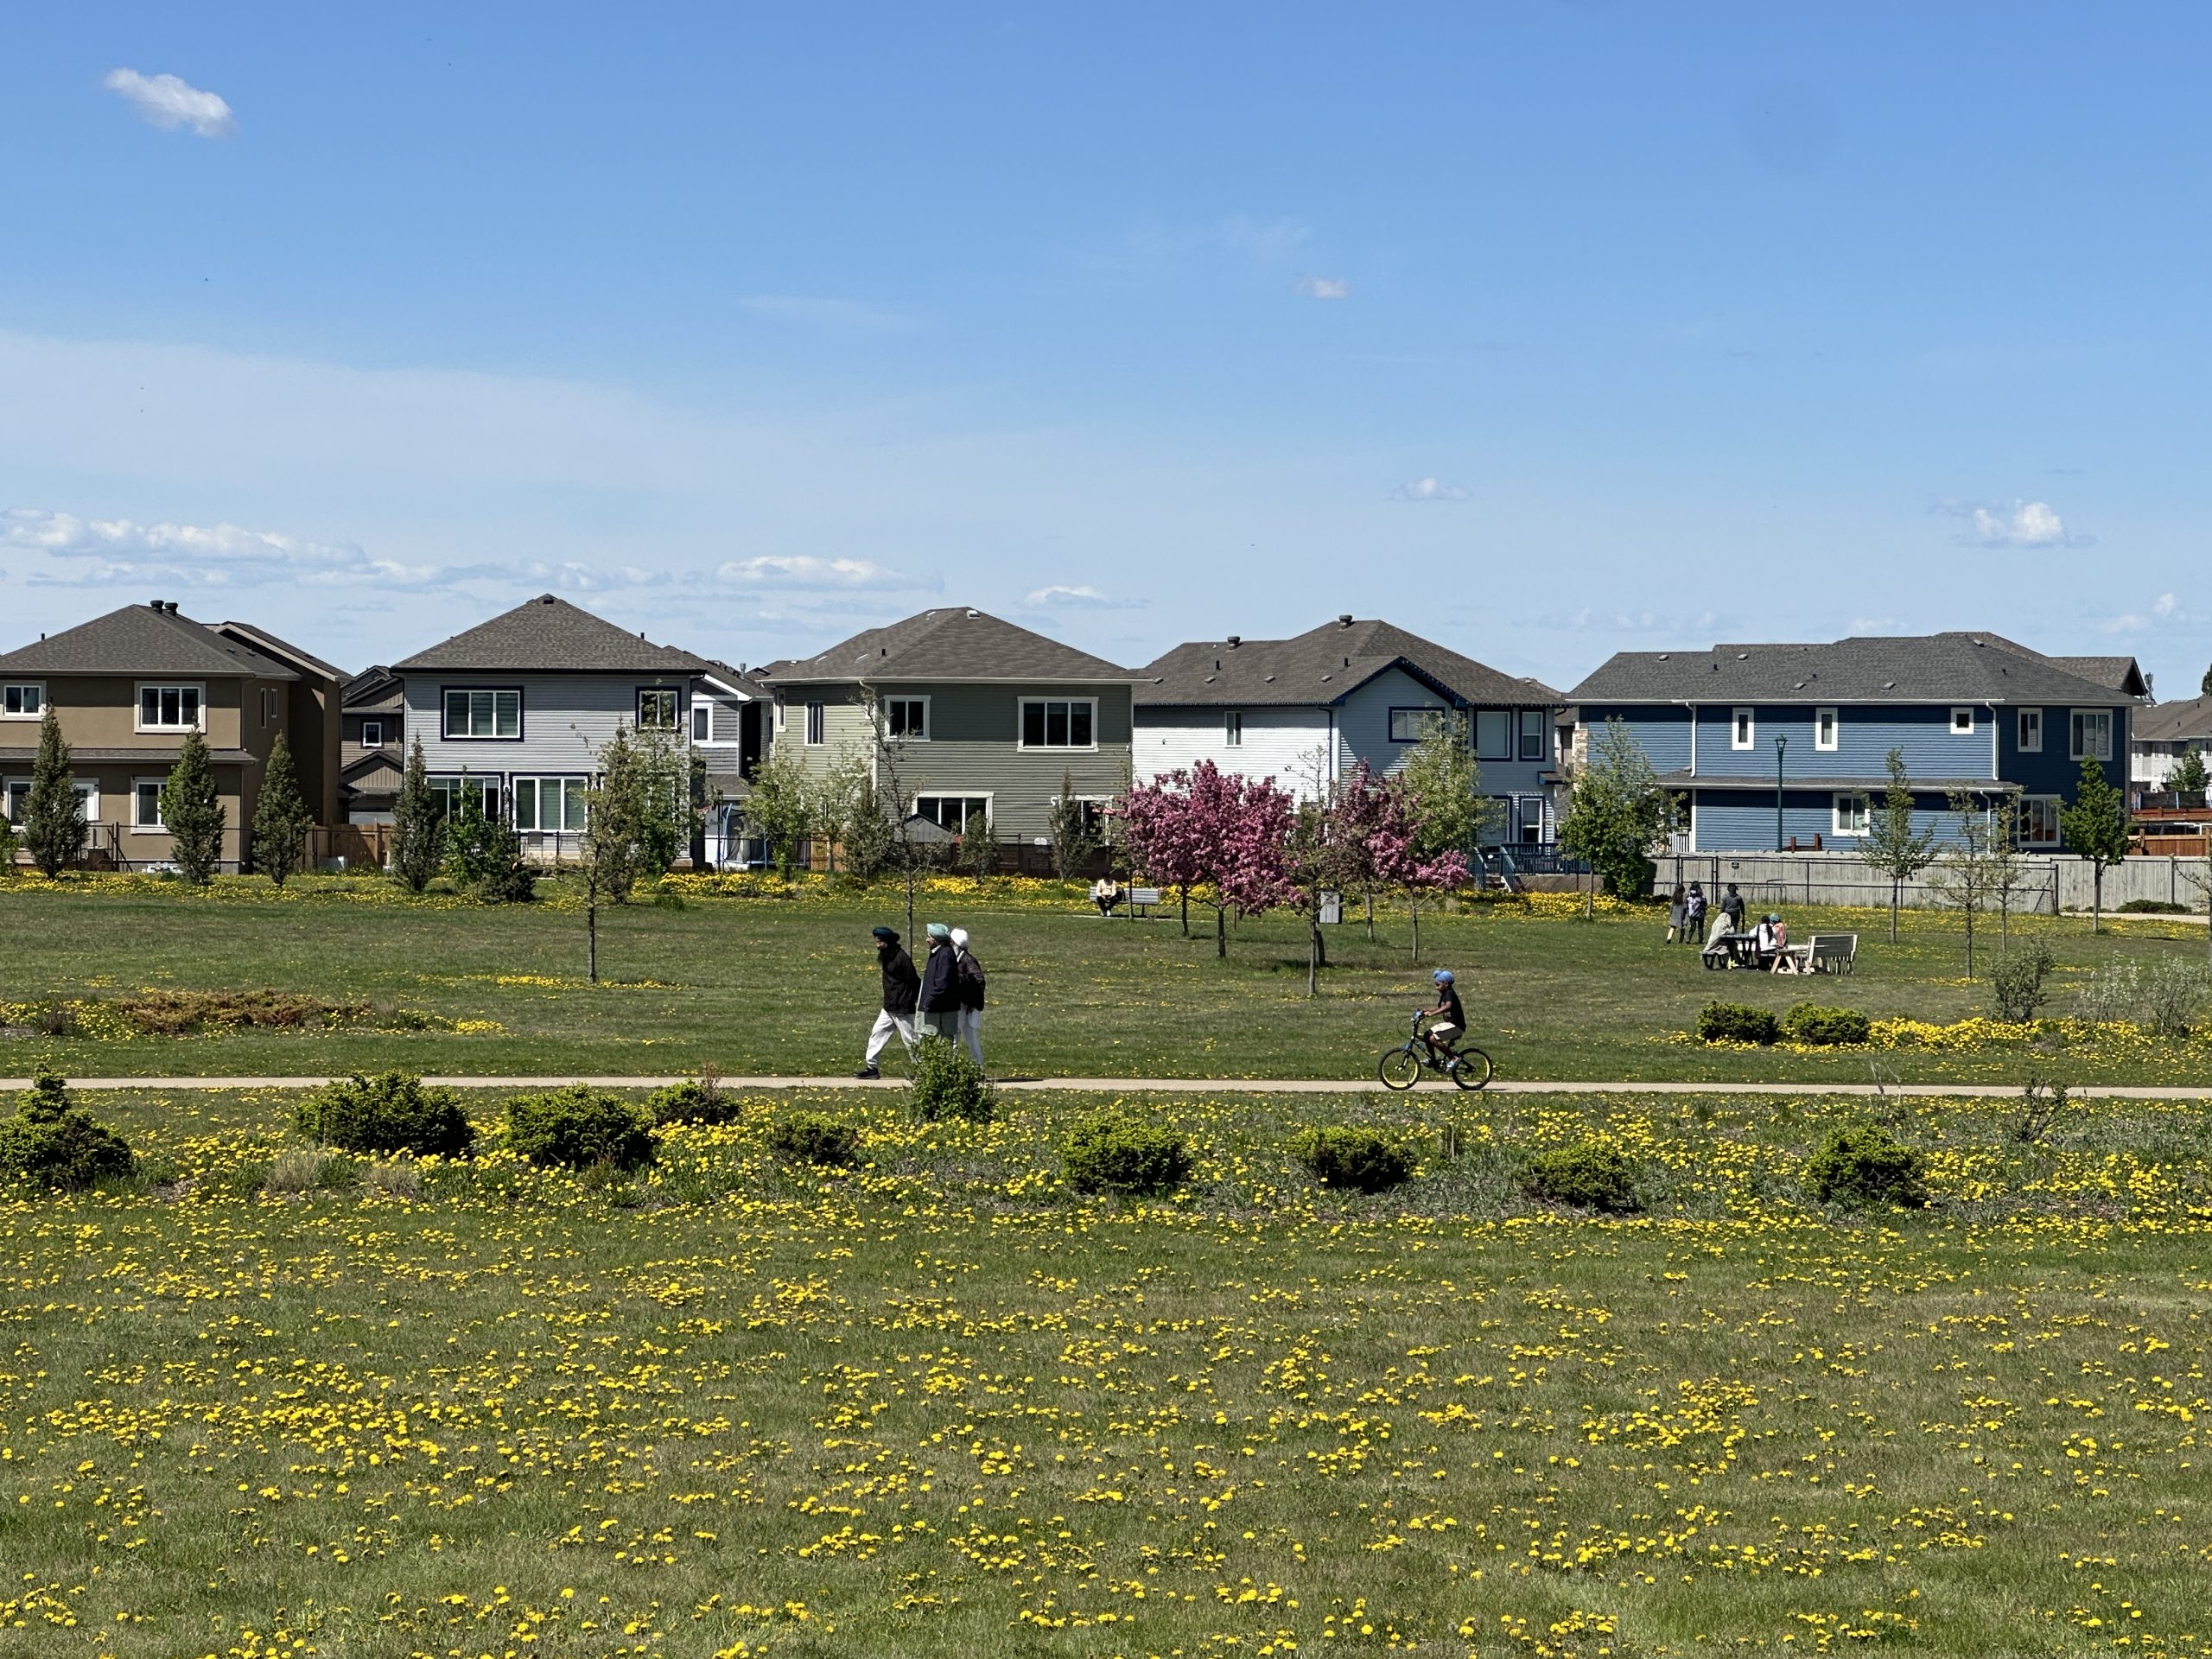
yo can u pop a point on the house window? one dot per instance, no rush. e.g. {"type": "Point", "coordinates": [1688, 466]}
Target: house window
{"type": "Point", "coordinates": [907, 717]}
{"type": "Point", "coordinates": [146, 804]}
{"type": "Point", "coordinates": [953, 812]}
{"type": "Point", "coordinates": [657, 708]}
{"type": "Point", "coordinates": [550, 806]}
{"type": "Point", "coordinates": [448, 792]}
{"type": "Point", "coordinates": [1530, 809]}
{"type": "Point", "coordinates": [1532, 734]}
{"type": "Point", "coordinates": [268, 705]}
{"type": "Point", "coordinates": [2031, 731]}
{"type": "Point", "coordinates": [372, 734]}
{"type": "Point", "coordinates": [170, 708]}
{"type": "Point", "coordinates": [1849, 815]}
{"type": "Point", "coordinates": [483, 713]}
{"type": "Point", "coordinates": [1059, 723]}
{"type": "Point", "coordinates": [1742, 729]}
{"type": "Point", "coordinates": [2092, 734]}
{"type": "Point", "coordinates": [816, 715]}
{"type": "Point", "coordinates": [1493, 734]}
{"type": "Point", "coordinates": [1824, 728]}
{"type": "Point", "coordinates": [1962, 722]}
{"type": "Point", "coordinates": [703, 721]}
{"type": "Point", "coordinates": [1232, 729]}
{"type": "Point", "coordinates": [26, 701]}
{"type": "Point", "coordinates": [16, 800]}
{"type": "Point", "coordinates": [1411, 725]}
{"type": "Point", "coordinates": [2039, 821]}
{"type": "Point", "coordinates": [778, 706]}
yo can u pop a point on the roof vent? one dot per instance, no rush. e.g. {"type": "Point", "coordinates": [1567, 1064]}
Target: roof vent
{"type": "Point", "coordinates": [1271, 679]}
{"type": "Point", "coordinates": [1344, 621]}
{"type": "Point", "coordinates": [973, 614]}
{"type": "Point", "coordinates": [545, 599]}
{"type": "Point", "coordinates": [1743, 656]}
{"type": "Point", "coordinates": [1235, 640]}
{"type": "Point", "coordinates": [1662, 656]}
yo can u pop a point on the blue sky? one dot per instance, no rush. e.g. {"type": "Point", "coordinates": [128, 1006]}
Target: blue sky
{"type": "Point", "coordinates": [1545, 330]}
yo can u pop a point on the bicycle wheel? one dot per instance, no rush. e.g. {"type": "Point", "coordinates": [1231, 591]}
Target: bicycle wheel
{"type": "Point", "coordinates": [1400, 1068]}
{"type": "Point", "coordinates": [1473, 1070]}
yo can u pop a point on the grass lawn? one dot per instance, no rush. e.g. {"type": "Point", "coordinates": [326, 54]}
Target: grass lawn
{"type": "Point", "coordinates": [779, 987]}
{"type": "Point", "coordinates": [940, 1405]}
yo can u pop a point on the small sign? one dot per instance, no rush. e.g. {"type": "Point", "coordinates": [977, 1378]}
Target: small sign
{"type": "Point", "coordinates": [1332, 909]}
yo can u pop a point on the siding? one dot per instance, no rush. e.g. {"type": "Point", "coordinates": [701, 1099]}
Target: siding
{"type": "Point", "coordinates": [1865, 736]}
{"type": "Point", "coordinates": [566, 720]}
{"type": "Point", "coordinates": [2052, 771]}
{"type": "Point", "coordinates": [1663, 734]}
{"type": "Point", "coordinates": [1741, 821]}
{"type": "Point", "coordinates": [1279, 743]}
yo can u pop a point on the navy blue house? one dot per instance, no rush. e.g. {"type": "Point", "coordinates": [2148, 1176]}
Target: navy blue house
{"type": "Point", "coordinates": [1970, 711]}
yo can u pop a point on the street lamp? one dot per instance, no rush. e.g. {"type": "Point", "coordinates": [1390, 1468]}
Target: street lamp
{"type": "Point", "coordinates": [1780, 744]}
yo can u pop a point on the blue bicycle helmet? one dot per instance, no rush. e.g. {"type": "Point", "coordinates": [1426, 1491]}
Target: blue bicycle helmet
{"type": "Point", "coordinates": [1442, 976]}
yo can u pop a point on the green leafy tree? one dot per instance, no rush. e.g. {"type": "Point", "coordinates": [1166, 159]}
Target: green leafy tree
{"type": "Point", "coordinates": [484, 851]}
{"type": "Point", "coordinates": [418, 825]}
{"type": "Point", "coordinates": [1442, 787]}
{"type": "Point", "coordinates": [843, 809]}
{"type": "Point", "coordinates": [2204, 685]}
{"type": "Point", "coordinates": [2095, 827]}
{"type": "Point", "coordinates": [979, 848]}
{"type": "Point", "coordinates": [781, 807]}
{"type": "Point", "coordinates": [637, 817]}
{"type": "Point", "coordinates": [1067, 827]}
{"type": "Point", "coordinates": [53, 817]}
{"type": "Point", "coordinates": [1892, 847]}
{"type": "Point", "coordinates": [8, 847]}
{"type": "Point", "coordinates": [1617, 814]}
{"type": "Point", "coordinates": [280, 817]}
{"type": "Point", "coordinates": [2188, 777]}
{"type": "Point", "coordinates": [192, 812]}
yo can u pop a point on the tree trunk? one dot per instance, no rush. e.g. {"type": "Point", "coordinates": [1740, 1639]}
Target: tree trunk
{"type": "Point", "coordinates": [1221, 931]}
{"type": "Point", "coordinates": [1969, 945]}
{"type": "Point", "coordinates": [1313, 956]}
{"type": "Point", "coordinates": [591, 931]}
{"type": "Point", "coordinates": [1185, 891]}
{"type": "Point", "coordinates": [1896, 893]}
{"type": "Point", "coordinates": [1321, 944]}
{"type": "Point", "coordinates": [1370, 916]}
{"type": "Point", "coordinates": [1590, 898]}
{"type": "Point", "coordinates": [1412, 909]}
{"type": "Point", "coordinates": [910, 899]}
{"type": "Point", "coordinates": [2097, 898]}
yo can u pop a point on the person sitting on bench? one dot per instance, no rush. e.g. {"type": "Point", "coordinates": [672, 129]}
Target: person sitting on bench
{"type": "Point", "coordinates": [1105, 893]}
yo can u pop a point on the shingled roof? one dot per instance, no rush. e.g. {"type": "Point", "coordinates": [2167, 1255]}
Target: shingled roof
{"type": "Point", "coordinates": [548, 635]}
{"type": "Point", "coordinates": [1923, 668]}
{"type": "Point", "coordinates": [2173, 722]}
{"type": "Point", "coordinates": [1325, 665]}
{"type": "Point", "coordinates": [143, 640]}
{"type": "Point", "coordinates": [948, 644]}
{"type": "Point", "coordinates": [2121, 674]}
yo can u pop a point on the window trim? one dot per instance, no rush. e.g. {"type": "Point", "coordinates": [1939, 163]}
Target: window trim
{"type": "Point", "coordinates": [1232, 729]}
{"type": "Point", "coordinates": [377, 727]}
{"type": "Point", "coordinates": [445, 733]}
{"type": "Point", "coordinates": [1832, 718]}
{"type": "Point", "coordinates": [988, 798]}
{"type": "Point", "coordinates": [494, 782]}
{"type": "Point", "coordinates": [2057, 834]}
{"type": "Point", "coordinates": [537, 781]}
{"type": "Point", "coordinates": [1744, 730]}
{"type": "Point", "coordinates": [701, 707]}
{"type": "Point", "coordinates": [1390, 721]}
{"type": "Point", "coordinates": [1521, 805]}
{"type": "Point", "coordinates": [1958, 730]}
{"type": "Point", "coordinates": [929, 719]}
{"type": "Point", "coordinates": [1475, 734]}
{"type": "Point", "coordinates": [2074, 749]}
{"type": "Point", "coordinates": [87, 790]}
{"type": "Point", "coordinates": [1840, 824]}
{"type": "Point", "coordinates": [677, 721]}
{"type": "Point", "coordinates": [38, 686]}
{"type": "Point", "coordinates": [2020, 731]}
{"type": "Point", "coordinates": [199, 689]}
{"type": "Point", "coordinates": [136, 826]}
{"type": "Point", "coordinates": [1533, 734]}
{"type": "Point", "coordinates": [817, 725]}
{"type": "Point", "coordinates": [1022, 725]}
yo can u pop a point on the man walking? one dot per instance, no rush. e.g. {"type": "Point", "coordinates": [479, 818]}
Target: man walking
{"type": "Point", "coordinates": [940, 996]}
{"type": "Point", "coordinates": [968, 975]}
{"type": "Point", "coordinates": [1732, 906]}
{"type": "Point", "coordinates": [901, 985]}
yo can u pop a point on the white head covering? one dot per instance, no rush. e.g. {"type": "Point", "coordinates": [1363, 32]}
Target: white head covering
{"type": "Point", "coordinates": [960, 939]}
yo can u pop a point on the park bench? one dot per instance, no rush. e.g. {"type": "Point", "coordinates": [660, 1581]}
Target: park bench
{"type": "Point", "coordinates": [1831, 953]}
{"type": "Point", "coordinates": [1144, 898]}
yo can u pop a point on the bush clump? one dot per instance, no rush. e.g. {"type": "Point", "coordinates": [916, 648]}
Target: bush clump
{"type": "Point", "coordinates": [579, 1128]}
{"type": "Point", "coordinates": [1819, 1027]}
{"type": "Point", "coordinates": [389, 1112]}
{"type": "Point", "coordinates": [1352, 1157]}
{"type": "Point", "coordinates": [1589, 1175]}
{"type": "Point", "coordinates": [52, 1143]}
{"type": "Point", "coordinates": [1737, 1022]}
{"type": "Point", "coordinates": [1866, 1164]}
{"type": "Point", "coordinates": [303, 1170]}
{"type": "Point", "coordinates": [2152, 907]}
{"type": "Point", "coordinates": [2016, 981]}
{"type": "Point", "coordinates": [1108, 1152]}
{"type": "Point", "coordinates": [816, 1138]}
{"type": "Point", "coordinates": [694, 1100]}
{"type": "Point", "coordinates": [947, 1083]}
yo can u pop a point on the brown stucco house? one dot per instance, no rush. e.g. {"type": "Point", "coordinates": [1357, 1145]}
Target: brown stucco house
{"type": "Point", "coordinates": [126, 686]}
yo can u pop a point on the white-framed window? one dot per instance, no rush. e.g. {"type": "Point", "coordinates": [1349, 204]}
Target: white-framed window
{"type": "Point", "coordinates": [1232, 729]}
{"type": "Point", "coordinates": [1743, 729]}
{"type": "Point", "coordinates": [268, 706]}
{"type": "Point", "coordinates": [1826, 729]}
{"type": "Point", "coordinates": [907, 718]}
{"type": "Point", "coordinates": [553, 805]}
{"type": "Point", "coordinates": [777, 704]}
{"type": "Point", "coordinates": [953, 812]}
{"type": "Point", "coordinates": [23, 700]}
{"type": "Point", "coordinates": [702, 721]}
{"type": "Point", "coordinates": [2031, 731]}
{"type": "Point", "coordinates": [1059, 723]}
{"type": "Point", "coordinates": [483, 713]}
{"type": "Point", "coordinates": [2092, 739]}
{"type": "Point", "coordinates": [1850, 814]}
{"type": "Point", "coordinates": [1493, 732]}
{"type": "Point", "coordinates": [816, 719]}
{"type": "Point", "coordinates": [146, 802]}
{"type": "Point", "coordinates": [1528, 813]}
{"type": "Point", "coordinates": [15, 800]}
{"type": "Point", "coordinates": [1532, 734]}
{"type": "Point", "coordinates": [372, 734]}
{"type": "Point", "coordinates": [2039, 821]}
{"type": "Point", "coordinates": [172, 709]}
{"type": "Point", "coordinates": [658, 708]}
{"type": "Point", "coordinates": [1411, 725]}
{"type": "Point", "coordinates": [1962, 722]}
{"type": "Point", "coordinates": [448, 788]}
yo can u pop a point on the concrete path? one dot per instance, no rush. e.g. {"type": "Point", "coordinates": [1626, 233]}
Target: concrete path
{"type": "Point", "coordinates": [1197, 1086]}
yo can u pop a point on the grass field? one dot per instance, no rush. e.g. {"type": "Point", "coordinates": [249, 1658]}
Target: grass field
{"type": "Point", "coordinates": [779, 986]}
{"type": "Point", "coordinates": [940, 1405]}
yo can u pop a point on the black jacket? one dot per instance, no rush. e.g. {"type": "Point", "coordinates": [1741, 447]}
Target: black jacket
{"type": "Point", "coordinates": [940, 982]}
{"type": "Point", "coordinates": [900, 982]}
{"type": "Point", "coordinates": [970, 978]}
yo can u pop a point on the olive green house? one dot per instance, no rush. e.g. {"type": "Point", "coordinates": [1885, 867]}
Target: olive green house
{"type": "Point", "coordinates": [962, 714]}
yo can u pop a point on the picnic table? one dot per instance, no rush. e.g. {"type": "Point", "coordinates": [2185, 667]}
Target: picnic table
{"type": "Point", "coordinates": [1733, 950]}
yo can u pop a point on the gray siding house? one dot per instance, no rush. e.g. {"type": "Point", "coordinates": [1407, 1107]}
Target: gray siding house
{"type": "Point", "coordinates": [978, 716]}
{"type": "Point", "coordinates": [2163, 734]}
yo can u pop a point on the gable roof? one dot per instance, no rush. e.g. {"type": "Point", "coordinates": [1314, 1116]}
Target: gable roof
{"type": "Point", "coordinates": [948, 644]}
{"type": "Point", "coordinates": [2173, 722]}
{"type": "Point", "coordinates": [143, 640]}
{"type": "Point", "coordinates": [2121, 674]}
{"type": "Point", "coordinates": [1325, 665]}
{"type": "Point", "coordinates": [372, 690]}
{"type": "Point", "coordinates": [1923, 668]}
{"type": "Point", "coordinates": [548, 635]}
{"type": "Point", "coordinates": [283, 650]}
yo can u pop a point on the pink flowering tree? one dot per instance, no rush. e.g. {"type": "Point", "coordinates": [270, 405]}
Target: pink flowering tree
{"type": "Point", "coordinates": [1400, 861]}
{"type": "Point", "coordinates": [1215, 836]}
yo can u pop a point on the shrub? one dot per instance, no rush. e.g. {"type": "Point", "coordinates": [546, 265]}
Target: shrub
{"type": "Point", "coordinates": [2164, 1000]}
{"type": "Point", "coordinates": [389, 1112]}
{"type": "Point", "coordinates": [2154, 907]}
{"type": "Point", "coordinates": [1819, 1027]}
{"type": "Point", "coordinates": [694, 1100]}
{"type": "Point", "coordinates": [309, 1169]}
{"type": "Point", "coordinates": [52, 1143]}
{"type": "Point", "coordinates": [1589, 1175]}
{"type": "Point", "coordinates": [400, 1178]}
{"type": "Point", "coordinates": [1352, 1156]}
{"type": "Point", "coordinates": [1866, 1164]}
{"type": "Point", "coordinates": [816, 1138]}
{"type": "Point", "coordinates": [2016, 981]}
{"type": "Point", "coordinates": [1737, 1022]}
{"type": "Point", "coordinates": [948, 1084]}
{"type": "Point", "coordinates": [1108, 1152]}
{"type": "Point", "coordinates": [578, 1128]}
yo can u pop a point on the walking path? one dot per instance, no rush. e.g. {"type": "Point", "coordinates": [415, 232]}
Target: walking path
{"type": "Point", "coordinates": [1200, 1086]}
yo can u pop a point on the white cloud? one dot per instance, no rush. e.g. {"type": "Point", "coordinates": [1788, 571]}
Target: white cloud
{"type": "Point", "coordinates": [2164, 606]}
{"type": "Point", "coordinates": [2025, 524]}
{"type": "Point", "coordinates": [1078, 597]}
{"type": "Point", "coordinates": [168, 102]}
{"type": "Point", "coordinates": [97, 552]}
{"type": "Point", "coordinates": [1428, 489]}
{"type": "Point", "coordinates": [803, 572]}
{"type": "Point", "coordinates": [1322, 287]}
{"type": "Point", "coordinates": [2164, 609]}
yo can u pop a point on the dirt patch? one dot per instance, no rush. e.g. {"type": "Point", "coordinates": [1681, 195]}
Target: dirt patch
{"type": "Point", "coordinates": [185, 1014]}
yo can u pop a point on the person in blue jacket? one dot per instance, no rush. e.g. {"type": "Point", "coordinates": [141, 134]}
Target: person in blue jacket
{"type": "Point", "coordinates": [940, 998]}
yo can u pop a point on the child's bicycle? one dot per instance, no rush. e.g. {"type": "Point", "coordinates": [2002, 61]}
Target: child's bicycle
{"type": "Point", "coordinates": [1400, 1068]}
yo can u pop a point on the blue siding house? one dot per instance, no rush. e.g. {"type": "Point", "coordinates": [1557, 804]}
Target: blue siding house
{"type": "Point", "coordinates": [1738, 730]}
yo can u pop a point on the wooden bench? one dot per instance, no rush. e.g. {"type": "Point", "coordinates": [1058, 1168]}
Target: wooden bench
{"type": "Point", "coordinates": [1144, 898]}
{"type": "Point", "coordinates": [1825, 953]}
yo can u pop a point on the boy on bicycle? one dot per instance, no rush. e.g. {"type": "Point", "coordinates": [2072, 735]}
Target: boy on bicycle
{"type": "Point", "coordinates": [1448, 1020]}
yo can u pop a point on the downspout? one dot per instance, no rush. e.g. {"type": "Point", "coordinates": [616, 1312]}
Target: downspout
{"type": "Point", "coordinates": [1996, 771]}
{"type": "Point", "coordinates": [1692, 707]}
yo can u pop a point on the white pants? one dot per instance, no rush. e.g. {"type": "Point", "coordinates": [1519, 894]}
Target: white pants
{"type": "Point", "coordinates": [971, 1032]}
{"type": "Point", "coordinates": [880, 1036]}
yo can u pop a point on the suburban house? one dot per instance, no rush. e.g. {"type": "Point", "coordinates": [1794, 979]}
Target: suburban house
{"type": "Point", "coordinates": [126, 688]}
{"type": "Point", "coordinates": [1782, 746]}
{"type": "Point", "coordinates": [517, 709]}
{"type": "Point", "coordinates": [2162, 733]}
{"type": "Point", "coordinates": [371, 745]}
{"type": "Point", "coordinates": [1308, 710]}
{"type": "Point", "coordinates": [962, 714]}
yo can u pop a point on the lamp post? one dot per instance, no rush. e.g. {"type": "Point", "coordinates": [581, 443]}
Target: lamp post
{"type": "Point", "coordinates": [1780, 744]}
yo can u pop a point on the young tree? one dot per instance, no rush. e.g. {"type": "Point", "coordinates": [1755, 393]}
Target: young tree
{"type": "Point", "coordinates": [1324, 854]}
{"type": "Point", "coordinates": [2008, 864]}
{"type": "Point", "coordinates": [193, 813]}
{"type": "Point", "coordinates": [1157, 837]}
{"type": "Point", "coordinates": [1215, 836]}
{"type": "Point", "coordinates": [781, 807]}
{"type": "Point", "coordinates": [1617, 814]}
{"type": "Point", "coordinates": [637, 815]}
{"type": "Point", "coordinates": [53, 817]}
{"type": "Point", "coordinates": [978, 855]}
{"type": "Point", "coordinates": [2198, 874]}
{"type": "Point", "coordinates": [1892, 847]}
{"type": "Point", "coordinates": [1068, 828]}
{"type": "Point", "coordinates": [2188, 777]}
{"type": "Point", "coordinates": [1966, 871]}
{"type": "Point", "coordinates": [2095, 827]}
{"type": "Point", "coordinates": [8, 847]}
{"type": "Point", "coordinates": [280, 817]}
{"type": "Point", "coordinates": [418, 825]}
{"type": "Point", "coordinates": [1399, 858]}
{"type": "Point", "coordinates": [1443, 785]}
{"type": "Point", "coordinates": [851, 815]}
